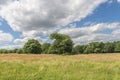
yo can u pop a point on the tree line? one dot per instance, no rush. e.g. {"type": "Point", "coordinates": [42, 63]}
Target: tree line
{"type": "Point", "coordinates": [62, 44]}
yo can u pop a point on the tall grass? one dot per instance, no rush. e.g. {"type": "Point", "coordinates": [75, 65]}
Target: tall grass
{"type": "Point", "coordinates": [56, 67]}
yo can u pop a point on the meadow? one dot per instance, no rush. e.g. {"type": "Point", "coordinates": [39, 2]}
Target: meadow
{"type": "Point", "coordinates": [60, 67]}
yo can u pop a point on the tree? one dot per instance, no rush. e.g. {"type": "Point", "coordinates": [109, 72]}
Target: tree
{"type": "Point", "coordinates": [45, 47]}
{"type": "Point", "coordinates": [4, 51]}
{"type": "Point", "coordinates": [62, 44]}
{"type": "Point", "coordinates": [88, 49]}
{"type": "Point", "coordinates": [94, 47]}
{"type": "Point", "coordinates": [19, 51]}
{"type": "Point", "coordinates": [32, 46]}
{"type": "Point", "coordinates": [66, 46]}
{"type": "Point", "coordinates": [117, 46]}
{"type": "Point", "coordinates": [109, 47]}
{"type": "Point", "coordinates": [15, 50]}
{"type": "Point", "coordinates": [78, 49]}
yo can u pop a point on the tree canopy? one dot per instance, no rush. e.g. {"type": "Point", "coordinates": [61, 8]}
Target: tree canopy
{"type": "Point", "coordinates": [94, 47]}
{"type": "Point", "coordinates": [32, 46]}
{"type": "Point", "coordinates": [62, 44]}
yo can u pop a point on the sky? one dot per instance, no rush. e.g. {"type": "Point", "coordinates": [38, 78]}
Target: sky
{"type": "Point", "coordinates": [84, 21]}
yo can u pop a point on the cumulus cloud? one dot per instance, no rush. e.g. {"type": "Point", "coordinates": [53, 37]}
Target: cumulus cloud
{"type": "Point", "coordinates": [5, 37]}
{"type": "Point", "coordinates": [44, 16]}
{"type": "Point", "coordinates": [97, 32]}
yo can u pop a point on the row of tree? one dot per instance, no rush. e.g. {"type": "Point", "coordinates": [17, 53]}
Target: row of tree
{"type": "Point", "coordinates": [98, 47]}
{"type": "Point", "coordinates": [62, 44]}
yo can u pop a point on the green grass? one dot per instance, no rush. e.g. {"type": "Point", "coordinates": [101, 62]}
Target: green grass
{"type": "Point", "coordinates": [56, 67]}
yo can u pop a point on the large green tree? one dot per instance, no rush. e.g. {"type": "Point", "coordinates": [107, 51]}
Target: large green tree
{"type": "Point", "coordinates": [62, 44]}
{"type": "Point", "coordinates": [45, 47]}
{"type": "Point", "coordinates": [32, 46]}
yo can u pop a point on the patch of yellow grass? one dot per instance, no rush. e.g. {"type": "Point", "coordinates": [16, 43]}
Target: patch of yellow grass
{"type": "Point", "coordinates": [34, 57]}
{"type": "Point", "coordinates": [99, 57]}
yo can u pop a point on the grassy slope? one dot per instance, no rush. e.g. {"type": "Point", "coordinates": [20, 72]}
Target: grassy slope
{"type": "Point", "coordinates": [56, 67]}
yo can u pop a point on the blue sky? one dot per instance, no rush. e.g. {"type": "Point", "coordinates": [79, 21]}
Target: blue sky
{"type": "Point", "coordinates": [105, 13]}
{"type": "Point", "coordinates": [79, 19]}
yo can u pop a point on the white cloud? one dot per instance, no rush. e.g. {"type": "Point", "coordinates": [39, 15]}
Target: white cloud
{"type": "Point", "coordinates": [92, 33]}
{"type": "Point", "coordinates": [44, 16]}
{"type": "Point", "coordinates": [118, 0]}
{"type": "Point", "coordinates": [22, 41]}
{"type": "Point", "coordinates": [5, 37]}
{"type": "Point", "coordinates": [11, 46]}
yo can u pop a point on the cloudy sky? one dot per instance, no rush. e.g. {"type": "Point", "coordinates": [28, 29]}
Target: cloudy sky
{"type": "Point", "coordinates": [83, 20]}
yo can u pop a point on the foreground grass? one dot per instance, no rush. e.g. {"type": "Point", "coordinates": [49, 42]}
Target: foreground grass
{"type": "Point", "coordinates": [58, 67]}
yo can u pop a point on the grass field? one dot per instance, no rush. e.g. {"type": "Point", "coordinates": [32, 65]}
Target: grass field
{"type": "Point", "coordinates": [59, 67]}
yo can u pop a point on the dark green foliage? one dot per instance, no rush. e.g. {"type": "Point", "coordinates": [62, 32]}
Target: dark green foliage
{"type": "Point", "coordinates": [32, 46]}
{"type": "Point", "coordinates": [78, 49]}
{"type": "Point", "coordinates": [20, 51]}
{"type": "Point", "coordinates": [97, 50]}
{"type": "Point", "coordinates": [45, 47]}
{"type": "Point", "coordinates": [94, 47]}
{"type": "Point", "coordinates": [117, 46]}
{"type": "Point", "coordinates": [3, 51]}
{"type": "Point", "coordinates": [62, 44]}
{"type": "Point", "coordinates": [15, 50]}
{"type": "Point", "coordinates": [109, 47]}
{"type": "Point", "coordinates": [66, 46]}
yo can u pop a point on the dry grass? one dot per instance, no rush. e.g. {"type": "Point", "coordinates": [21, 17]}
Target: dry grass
{"type": "Point", "coordinates": [25, 57]}
{"type": "Point", "coordinates": [99, 57]}
{"type": "Point", "coordinates": [32, 57]}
